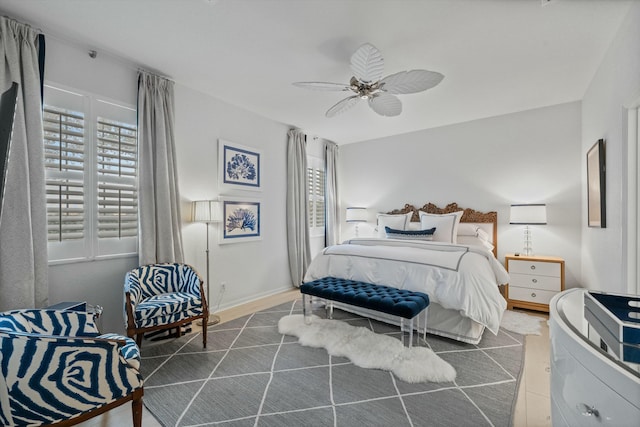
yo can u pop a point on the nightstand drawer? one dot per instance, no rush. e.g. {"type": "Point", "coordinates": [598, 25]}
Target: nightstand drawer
{"type": "Point", "coordinates": [539, 296]}
{"type": "Point", "coordinates": [535, 282]}
{"type": "Point", "coordinates": [534, 267]}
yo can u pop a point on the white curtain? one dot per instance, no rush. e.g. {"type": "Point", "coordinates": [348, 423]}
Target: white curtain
{"type": "Point", "coordinates": [23, 228]}
{"type": "Point", "coordinates": [297, 206]}
{"type": "Point", "coordinates": [332, 214]}
{"type": "Point", "coordinates": [160, 237]}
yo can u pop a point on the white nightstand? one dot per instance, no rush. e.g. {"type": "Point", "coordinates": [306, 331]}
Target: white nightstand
{"type": "Point", "coordinates": [534, 280]}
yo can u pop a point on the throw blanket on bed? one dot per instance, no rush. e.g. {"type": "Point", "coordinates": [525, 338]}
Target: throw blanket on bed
{"type": "Point", "coordinates": [458, 277]}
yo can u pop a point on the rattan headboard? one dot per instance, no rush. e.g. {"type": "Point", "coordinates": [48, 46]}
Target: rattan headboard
{"type": "Point", "coordinates": [469, 215]}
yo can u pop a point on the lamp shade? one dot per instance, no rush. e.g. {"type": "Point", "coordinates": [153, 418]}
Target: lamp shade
{"type": "Point", "coordinates": [207, 211]}
{"type": "Point", "coordinates": [528, 214]}
{"type": "Point", "coordinates": [356, 214]}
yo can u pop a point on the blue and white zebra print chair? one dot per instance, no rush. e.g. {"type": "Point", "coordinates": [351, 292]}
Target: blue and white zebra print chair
{"type": "Point", "coordinates": [58, 370]}
{"type": "Point", "coordinates": [164, 296]}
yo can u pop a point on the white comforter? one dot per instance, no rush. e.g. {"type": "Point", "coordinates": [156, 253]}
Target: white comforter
{"type": "Point", "coordinates": [459, 277]}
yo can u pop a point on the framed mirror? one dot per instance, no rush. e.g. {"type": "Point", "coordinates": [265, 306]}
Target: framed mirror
{"type": "Point", "coordinates": [596, 185]}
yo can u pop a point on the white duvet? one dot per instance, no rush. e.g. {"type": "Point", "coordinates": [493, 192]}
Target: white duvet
{"type": "Point", "coordinates": [459, 277]}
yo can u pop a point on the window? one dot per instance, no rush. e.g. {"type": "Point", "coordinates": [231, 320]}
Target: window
{"type": "Point", "coordinates": [117, 168]}
{"type": "Point", "coordinates": [91, 169]}
{"type": "Point", "coordinates": [315, 185]}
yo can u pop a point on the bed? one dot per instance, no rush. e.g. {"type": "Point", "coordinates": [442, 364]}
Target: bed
{"type": "Point", "coordinates": [448, 253]}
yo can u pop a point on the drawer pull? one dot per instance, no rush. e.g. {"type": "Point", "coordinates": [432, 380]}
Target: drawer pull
{"type": "Point", "coordinates": [534, 280]}
{"type": "Point", "coordinates": [533, 267]}
{"type": "Point", "coordinates": [587, 411]}
{"type": "Point", "coordinates": [533, 294]}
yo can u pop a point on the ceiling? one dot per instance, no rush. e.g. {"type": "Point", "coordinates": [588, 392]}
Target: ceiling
{"type": "Point", "coordinates": [498, 56]}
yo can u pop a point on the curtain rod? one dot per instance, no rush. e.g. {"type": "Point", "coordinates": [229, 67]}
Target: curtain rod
{"type": "Point", "coordinates": [74, 43]}
{"type": "Point", "coordinates": [38, 30]}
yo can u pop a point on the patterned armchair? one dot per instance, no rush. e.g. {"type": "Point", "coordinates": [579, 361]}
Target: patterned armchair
{"type": "Point", "coordinates": [58, 370]}
{"type": "Point", "coordinates": [164, 296]}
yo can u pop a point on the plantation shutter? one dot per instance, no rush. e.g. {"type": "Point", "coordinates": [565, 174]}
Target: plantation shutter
{"type": "Point", "coordinates": [319, 197]}
{"type": "Point", "coordinates": [315, 184]}
{"type": "Point", "coordinates": [310, 208]}
{"type": "Point", "coordinates": [117, 169]}
{"type": "Point", "coordinates": [64, 170]}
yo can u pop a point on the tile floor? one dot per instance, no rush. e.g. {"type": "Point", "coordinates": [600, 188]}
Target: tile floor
{"type": "Point", "coordinates": [532, 408]}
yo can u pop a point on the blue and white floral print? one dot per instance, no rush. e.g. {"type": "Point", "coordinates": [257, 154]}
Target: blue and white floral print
{"type": "Point", "coordinates": [241, 167]}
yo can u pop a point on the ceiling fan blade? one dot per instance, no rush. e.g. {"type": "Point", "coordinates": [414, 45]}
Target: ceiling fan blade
{"type": "Point", "coordinates": [367, 63]}
{"type": "Point", "coordinates": [410, 81]}
{"type": "Point", "coordinates": [386, 104]}
{"type": "Point", "coordinates": [343, 106]}
{"type": "Point", "coordinates": [323, 86]}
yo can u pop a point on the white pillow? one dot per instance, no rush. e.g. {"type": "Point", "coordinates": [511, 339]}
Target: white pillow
{"type": "Point", "coordinates": [397, 222]}
{"type": "Point", "coordinates": [483, 235]}
{"type": "Point", "coordinates": [446, 225]}
{"type": "Point", "coordinates": [474, 241]}
{"type": "Point", "coordinates": [467, 229]}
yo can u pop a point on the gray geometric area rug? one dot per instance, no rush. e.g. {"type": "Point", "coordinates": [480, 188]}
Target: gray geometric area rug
{"type": "Point", "coordinates": [251, 375]}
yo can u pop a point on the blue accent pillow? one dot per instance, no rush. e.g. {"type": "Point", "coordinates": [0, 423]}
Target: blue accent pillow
{"type": "Point", "coordinates": [410, 234]}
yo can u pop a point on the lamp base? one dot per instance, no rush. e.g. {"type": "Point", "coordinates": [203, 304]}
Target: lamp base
{"type": "Point", "coordinates": [214, 319]}
{"type": "Point", "coordinates": [528, 246]}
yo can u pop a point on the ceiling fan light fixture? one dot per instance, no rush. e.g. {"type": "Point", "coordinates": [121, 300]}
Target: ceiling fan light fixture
{"type": "Point", "coordinates": [367, 83]}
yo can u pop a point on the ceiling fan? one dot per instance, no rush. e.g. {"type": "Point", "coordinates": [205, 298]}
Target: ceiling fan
{"type": "Point", "coordinates": [367, 83]}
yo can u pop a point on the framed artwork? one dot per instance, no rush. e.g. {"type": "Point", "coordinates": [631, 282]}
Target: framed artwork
{"type": "Point", "coordinates": [239, 167]}
{"type": "Point", "coordinates": [241, 221]}
{"type": "Point", "coordinates": [596, 185]}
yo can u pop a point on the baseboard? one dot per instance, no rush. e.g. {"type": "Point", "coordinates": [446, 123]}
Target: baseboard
{"type": "Point", "coordinates": [253, 298]}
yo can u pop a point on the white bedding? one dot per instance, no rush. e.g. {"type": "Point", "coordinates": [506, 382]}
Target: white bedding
{"type": "Point", "coordinates": [459, 277]}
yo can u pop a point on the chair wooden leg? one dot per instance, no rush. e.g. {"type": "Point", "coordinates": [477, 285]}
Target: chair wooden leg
{"type": "Point", "coordinates": [136, 407]}
{"type": "Point", "coordinates": [139, 339]}
{"type": "Point", "coordinates": [205, 320]}
{"type": "Point", "coordinates": [179, 331]}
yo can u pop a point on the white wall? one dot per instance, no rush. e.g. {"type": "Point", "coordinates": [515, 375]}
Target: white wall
{"type": "Point", "coordinates": [616, 83]}
{"type": "Point", "coordinates": [528, 157]}
{"type": "Point", "coordinates": [250, 269]}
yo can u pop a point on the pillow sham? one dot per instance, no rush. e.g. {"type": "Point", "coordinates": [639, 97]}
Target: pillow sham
{"type": "Point", "coordinates": [446, 225]}
{"type": "Point", "coordinates": [410, 234]}
{"type": "Point", "coordinates": [397, 222]}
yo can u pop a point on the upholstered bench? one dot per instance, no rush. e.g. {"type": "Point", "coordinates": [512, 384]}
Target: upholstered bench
{"type": "Point", "coordinates": [403, 303]}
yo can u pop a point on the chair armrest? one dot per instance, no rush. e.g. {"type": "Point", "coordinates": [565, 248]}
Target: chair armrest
{"type": "Point", "coordinates": [54, 378]}
{"type": "Point", "coordinates": [128, 349]}
{"type": "Point", "coordinates": [133, 287]}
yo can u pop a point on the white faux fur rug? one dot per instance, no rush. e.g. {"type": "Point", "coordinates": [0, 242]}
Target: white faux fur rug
{"type": "Point", "coordinates": [521, 323]}
{"type": "Point", "coordinates": [368, 350]}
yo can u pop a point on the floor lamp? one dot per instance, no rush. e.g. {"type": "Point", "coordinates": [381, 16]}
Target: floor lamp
{"type": "Point", "coordinates": [208, 211]}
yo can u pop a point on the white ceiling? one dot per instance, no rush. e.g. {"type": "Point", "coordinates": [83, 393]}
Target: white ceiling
{"type": "Point", "coordinates": [498, 56]}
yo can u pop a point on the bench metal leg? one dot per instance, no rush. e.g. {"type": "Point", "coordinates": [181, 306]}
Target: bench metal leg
{"type": "Point", "coordinates": [306, 308]}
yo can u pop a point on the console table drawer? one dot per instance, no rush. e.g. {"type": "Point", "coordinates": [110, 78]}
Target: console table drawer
{"type": "Point", "coordinates": [582, 398]}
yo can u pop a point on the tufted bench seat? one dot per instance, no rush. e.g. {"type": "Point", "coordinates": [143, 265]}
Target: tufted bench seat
{"type": "Point", "coordinates": [397, 302]}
